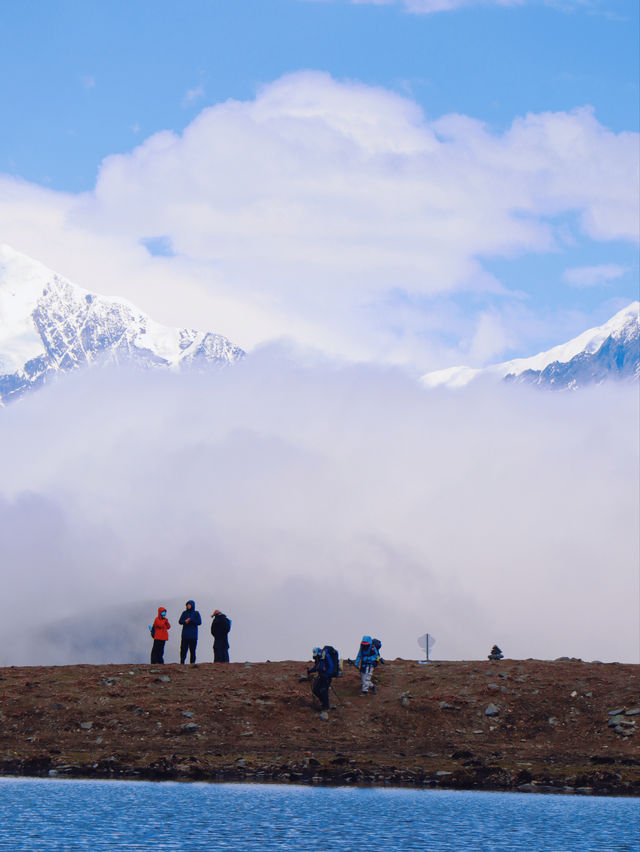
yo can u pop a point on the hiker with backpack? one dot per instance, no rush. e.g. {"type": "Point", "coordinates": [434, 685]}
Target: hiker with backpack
{"type": "Point", "coordinates": [159, 633]}
{"type": "Point", "coordinates": [220, 627]}
{"type": "Point", "coordinates": [327, 666]}
{"type": "Point", "coordinates": [190, 619]}
{"type": "Point", "coordinates": [367, 659]}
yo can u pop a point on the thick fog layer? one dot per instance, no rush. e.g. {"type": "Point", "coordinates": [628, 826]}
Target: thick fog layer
{"type": "Point", "coordinates": [313, 504]}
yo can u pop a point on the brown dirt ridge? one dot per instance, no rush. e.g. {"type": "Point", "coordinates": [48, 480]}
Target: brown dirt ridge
{"type": "Point", "coordinates": [524, 725]}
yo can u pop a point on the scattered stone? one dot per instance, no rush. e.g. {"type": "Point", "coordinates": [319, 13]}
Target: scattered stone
{"type": "Point", "coordinates": [163, 679]}
{"type": "Point", "coordinates": [615, 720]}
{"type": "Point", "coordinates": [552, 720]}
{"type": "Point", "coordinates": [442, 773]}
{"type": "Point", "coordinates": [86, 726]}
{"type": "Point", "coordinates": [404, 699]}
{"type": "Point", "coordinates": [493, 687]}
{"type": "Point", "coordinates": [616, 712]}
{"type": "Point", "coordinates": [324, 715]}
{"type": "Point", "coordinates": [188, 714]}
{"type": "Point", "coordinates": [444, 705]}
{"type": "Point", "coordinates": [635, 711]}
{"type": "Point", "coordinates": [189, 728]}
{"type": "Point", "coordinates": [491, 710]}
{"type": "Point", "coordinates": [574, 694]}
{"type": "Point", "coordinates": [98, 740]}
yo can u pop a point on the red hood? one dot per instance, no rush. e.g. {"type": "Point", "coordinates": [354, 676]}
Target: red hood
{"type": "Point", "coordinates": [161, 609]}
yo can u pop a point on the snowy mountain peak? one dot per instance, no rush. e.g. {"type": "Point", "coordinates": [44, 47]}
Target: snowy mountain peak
{"type": "Point", "coordinates": [49, 325]}
{"type": "Point", "coordinates": [611, 350]}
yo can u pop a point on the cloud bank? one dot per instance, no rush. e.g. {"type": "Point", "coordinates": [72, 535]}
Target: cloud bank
{"type": "Point", "coordinates": [313, 504]}
{"type": "Point", "coordinates": [335, 214]}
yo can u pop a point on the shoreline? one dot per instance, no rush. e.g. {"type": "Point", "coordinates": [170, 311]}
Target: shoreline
{"type": "Point", "coordinates": [260, 778]}
{"type": "Point", "coordinates": [550, 725]}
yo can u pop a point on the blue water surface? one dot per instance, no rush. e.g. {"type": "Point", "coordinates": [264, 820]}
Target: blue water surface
{"type": "Point", "coordinates": [53, 814]}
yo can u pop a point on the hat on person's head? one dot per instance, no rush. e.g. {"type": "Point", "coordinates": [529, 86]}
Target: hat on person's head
{"type": "Point", "coordinates": [215, 612]}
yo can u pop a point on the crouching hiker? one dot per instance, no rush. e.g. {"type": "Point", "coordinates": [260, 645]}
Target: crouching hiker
{"type": "Point", "coordinates": [327, 666]}
{"type": "Point", "coordinates": [220, 627]}
{"type": "Point", "coordinates": [159, 633]}
{"type": "Point", "coordinates": [367, 659]}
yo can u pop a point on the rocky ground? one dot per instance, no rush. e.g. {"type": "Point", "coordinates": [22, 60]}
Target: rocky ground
{"type": "Point", "coordinates": [529, 725]}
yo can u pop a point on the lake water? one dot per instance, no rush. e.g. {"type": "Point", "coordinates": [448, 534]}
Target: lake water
{"type": "Point", "coordinates": [52, 814]}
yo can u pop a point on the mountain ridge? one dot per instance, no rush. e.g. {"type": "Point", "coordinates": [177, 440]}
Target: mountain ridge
{"type": "Point", "coordinates": [49, 325]}
{"type": "Point", "coordinates": [611, 350]}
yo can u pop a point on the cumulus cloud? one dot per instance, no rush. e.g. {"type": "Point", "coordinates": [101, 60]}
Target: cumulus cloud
{"type": "Point", "coordinates": [314, 504]}
{"type": "Point", "coordinates": [593, 276]}
{"type": "Point", "coordinates": [320, 208]}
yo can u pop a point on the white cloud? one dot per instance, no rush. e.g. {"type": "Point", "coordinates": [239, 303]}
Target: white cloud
{"type": "Point", "coordinates": [318, 209]}
{"type": "Point", "coordinates": [256, 490]}
{"type": "Point", "coordinates": [593, 276]}
{"type": "Point", "coordinates": [192, 95]}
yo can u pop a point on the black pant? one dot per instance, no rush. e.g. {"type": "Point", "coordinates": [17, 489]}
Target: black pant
{"type": "Point", "coordinates": [190, 645]}
{"type": "Point", "coordinates": [157, 651]}
{"type": "Point", "coordinates": [320, 689]}
{"type": "Point", "coordinates": [220, 653]}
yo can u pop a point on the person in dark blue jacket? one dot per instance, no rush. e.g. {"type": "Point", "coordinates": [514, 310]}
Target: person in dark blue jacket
{"type": "Point", "coordinates": [190, 619]}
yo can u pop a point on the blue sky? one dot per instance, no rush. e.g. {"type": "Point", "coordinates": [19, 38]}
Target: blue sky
{"type": "Point", "coordinates": [84, 80]}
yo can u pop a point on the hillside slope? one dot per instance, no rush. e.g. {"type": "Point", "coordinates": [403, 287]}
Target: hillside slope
{"type": "Point", "coordinates": [554, 728]}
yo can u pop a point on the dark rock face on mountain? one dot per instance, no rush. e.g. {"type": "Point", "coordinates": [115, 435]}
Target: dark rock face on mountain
{"type": "Point", "coordinates": [52, 326]}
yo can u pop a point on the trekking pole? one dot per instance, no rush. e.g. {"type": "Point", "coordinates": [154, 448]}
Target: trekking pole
{"type": "Point", "coordinates": [335, 692]}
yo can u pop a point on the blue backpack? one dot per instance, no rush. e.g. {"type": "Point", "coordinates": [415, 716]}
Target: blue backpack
{"type": "Point", "coordinates": [331, 660]}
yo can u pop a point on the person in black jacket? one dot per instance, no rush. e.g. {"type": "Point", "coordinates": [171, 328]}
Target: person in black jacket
{"type": "Point", "coordinates": [220, 627]}
{"type": "Point", "coordinates": [322, 681]}
{"type": "Point", "coordinates": [190, 619]}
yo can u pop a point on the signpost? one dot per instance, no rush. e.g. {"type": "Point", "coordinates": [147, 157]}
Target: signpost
{"type": "Point", "coordinates": [426, 642]}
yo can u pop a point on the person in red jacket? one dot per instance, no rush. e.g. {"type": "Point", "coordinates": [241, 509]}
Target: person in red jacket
{"type": "Point", "coordinates": [160, 633]}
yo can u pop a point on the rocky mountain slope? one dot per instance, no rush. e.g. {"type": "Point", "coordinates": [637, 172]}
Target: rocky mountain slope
{"type": "Point", "coordinates": [562, 726]}
{"type": "Point", "coordinates": [609, 351]}
{"type": "Point", "coordinates": [49, 325]}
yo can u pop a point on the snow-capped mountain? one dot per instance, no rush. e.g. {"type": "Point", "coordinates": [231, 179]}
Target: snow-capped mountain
{"type": "Point", "coordinates": [609, 351]}
{"type": "Point", "coordinates": [49, 325]}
